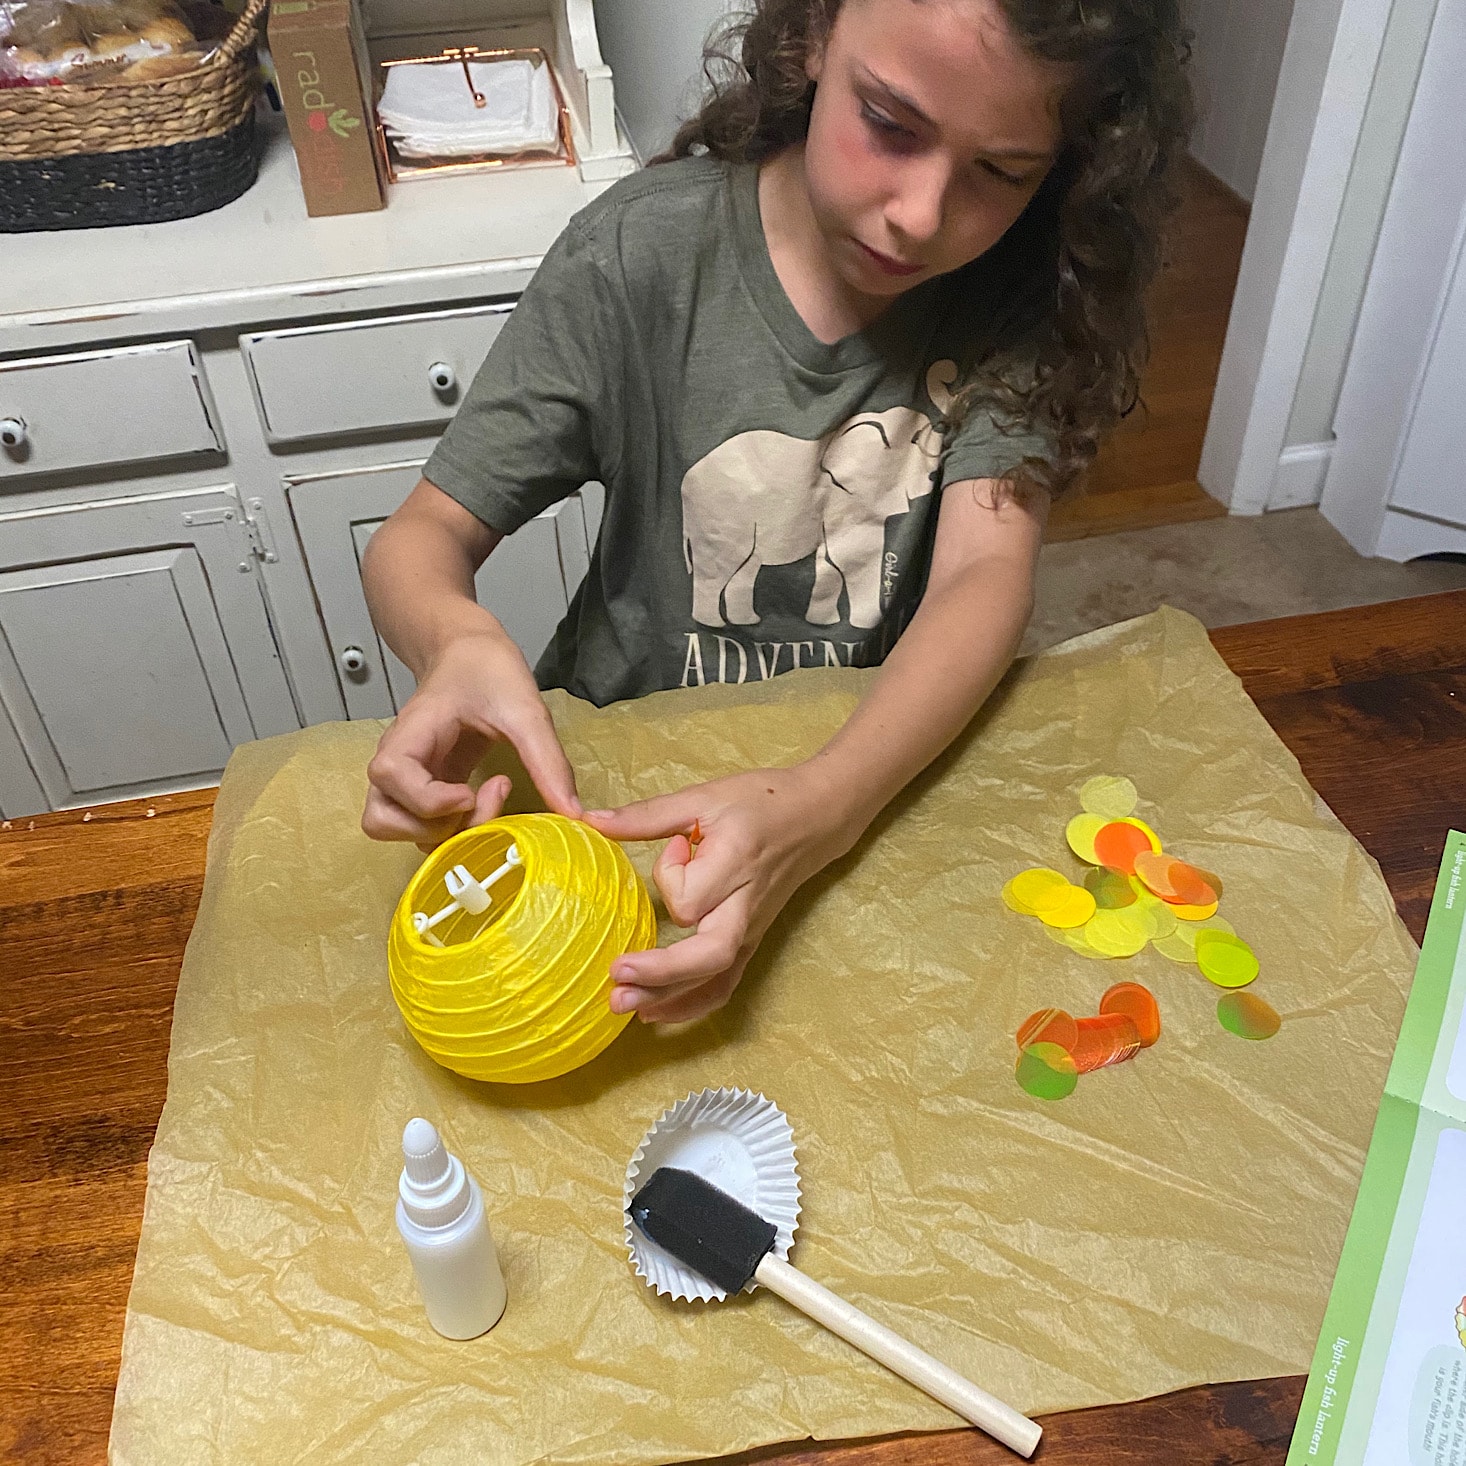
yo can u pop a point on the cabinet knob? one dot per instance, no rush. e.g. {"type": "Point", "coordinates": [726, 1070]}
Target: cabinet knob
{"type": "Point", "coordinates": [12, 432]}
{"type": "Point", "coordinates": [353, 661]}
{"type": "Point", "coordinates": [442, 376]}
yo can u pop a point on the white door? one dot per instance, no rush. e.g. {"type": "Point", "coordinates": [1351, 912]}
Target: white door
{"type": "Point", "coordinates": [1397, 484]}
{"type": "Point", "coordinates": [135, 649]}
{"type": "Point", "coordinates": [527, 582]}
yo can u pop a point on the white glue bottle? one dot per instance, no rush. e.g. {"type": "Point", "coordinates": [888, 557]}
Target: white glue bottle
{"type": "Point", "coordinates": [440, 1213]}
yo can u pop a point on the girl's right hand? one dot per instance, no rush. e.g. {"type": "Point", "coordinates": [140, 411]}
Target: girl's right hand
{"type": "Point", "coordinates": [479, 689]}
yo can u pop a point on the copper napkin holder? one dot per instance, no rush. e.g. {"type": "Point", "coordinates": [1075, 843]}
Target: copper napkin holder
{"type": "Point", "coordinates": [400, 170]}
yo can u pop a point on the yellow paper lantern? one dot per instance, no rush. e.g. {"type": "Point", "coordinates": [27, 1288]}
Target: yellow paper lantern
{"type": "Point", "coordinates": [501, 947]}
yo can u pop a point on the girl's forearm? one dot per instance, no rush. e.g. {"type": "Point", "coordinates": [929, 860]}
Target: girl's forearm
{"type": "Point", "coordinates": [958, 645]}
{"type": "Point", "coordinates": [418, 575]}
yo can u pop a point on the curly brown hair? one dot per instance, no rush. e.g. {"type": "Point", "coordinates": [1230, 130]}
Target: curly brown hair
{"type": "Point", "coordinates": [1089, 244]}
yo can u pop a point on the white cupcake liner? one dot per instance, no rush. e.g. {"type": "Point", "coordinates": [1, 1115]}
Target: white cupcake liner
{"type": "Point", "coordinates": [738, 1141]}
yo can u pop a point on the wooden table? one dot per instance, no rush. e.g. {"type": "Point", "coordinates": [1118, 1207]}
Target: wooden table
{"type": "Point", "coordinates": [95, 908]}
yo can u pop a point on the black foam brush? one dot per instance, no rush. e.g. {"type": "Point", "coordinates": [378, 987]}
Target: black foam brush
{"type": "Point", "coordinates": [718, 1237]}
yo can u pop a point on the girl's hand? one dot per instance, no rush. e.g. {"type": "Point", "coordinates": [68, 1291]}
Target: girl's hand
{"type": "Point", "coordinates": [478, 690]}
{"type": "Point", "coordinates": [763, 833]}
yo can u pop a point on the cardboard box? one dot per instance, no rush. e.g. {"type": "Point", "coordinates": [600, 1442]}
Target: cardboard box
{"type": "Point", "coordinates": [325, 82]}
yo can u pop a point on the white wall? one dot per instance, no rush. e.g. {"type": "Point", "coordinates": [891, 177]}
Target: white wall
{"type": "Point", "coordinates": [1238, 50]}
{"type": "Point", "coordinates": [654, 47]}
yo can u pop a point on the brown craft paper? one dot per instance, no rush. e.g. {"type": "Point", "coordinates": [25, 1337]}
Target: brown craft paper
{"type": "Point", "coordinates": [1176, 1220]}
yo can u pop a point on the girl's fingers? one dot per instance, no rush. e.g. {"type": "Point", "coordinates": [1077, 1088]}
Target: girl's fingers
{"type": "Point", "coordinates": [384, 819]}
{"type": "Point", "coordinates": [688, 1005]}
{"type": "Point", "coordinates": [538, 746]}
{"type": "Point", "coordinates": [711, 949]}
{"type": "Point", "coordinates": [463, 758]}
{"type": "Point", "coordinates": [407, 764]}
{"type": "Point", "coordinates": [648, 819]}
{"type": "Point", "coordinates": [691, 888]}
{"type": "Point", "coordinates": [491, 798]}
{"type": "Point", "coordinates": [684, 1002]}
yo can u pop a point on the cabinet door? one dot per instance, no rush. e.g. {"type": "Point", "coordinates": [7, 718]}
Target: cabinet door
{"type": "Point", "coordinates": [135, 650]}
{"type": "Point", "coordinates": [527, 582]}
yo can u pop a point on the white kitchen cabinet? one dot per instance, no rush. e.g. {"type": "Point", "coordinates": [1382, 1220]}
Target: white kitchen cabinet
{"type": "Point", "coordinates": [202, 422]}
{"type": "Point", "coordinates": [135, 649]}
{"type": "Point", "coordinates": [527, 582]}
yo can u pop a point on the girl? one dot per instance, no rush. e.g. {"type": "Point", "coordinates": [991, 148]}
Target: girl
{"type": "Point", "coordinates": [831, 358]}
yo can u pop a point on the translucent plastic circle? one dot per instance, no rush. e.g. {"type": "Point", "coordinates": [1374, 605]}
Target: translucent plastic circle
{"type": "Point", "coordinates": [520, 993]}
{"type": "Point", "coordinates": [1109, 888]}
{"type": "Point", "coordinates": [1138, 1004]}
{"type": "Point", "coordinates": [1118, 843]}
{"type": "Point", "coordinates": [1118, 933]}
{"type": "Point", "coordinates": [1174, 947]}
{"type": "Point", "coordinates": [1188, 930]}
{"type": "Point", "coordinates": [1174, 880]}
{"type": "Point", "coordinates": [1039, 889]}
{"type": "Point", "coordinates": [1048, 1025]}
{"type": "Point", "coordinates": [1152, 838]}
{"type": "Point", "coordinates": [1111, 796]}
{"type": "Point", "coordinates": [1046, 1071]}
{"type": "Point", "coordinates": [1248, 1016]}
{"type": "Point", "coordinates": [1195, 913]}
{"type": "Point", "coordinates": [1225, 960]}
{"type": "Point", "coordinates": [1180, 943]}
{"type": "Point", "coordinates": [1080, 833]}
{"type": "Point", "coordinates": [1161, 917]}
{"type": "Point", "coordinates": [1074, 939]}
{"type": "Point", "coordinates": [1012, 902]}
{"type": "Point", "coordinates": [1111, 1038]}
{"type": "Point", "coordinates": [1075, 909]}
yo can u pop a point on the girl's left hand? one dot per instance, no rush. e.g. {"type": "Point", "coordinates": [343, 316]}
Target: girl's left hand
{"type": "Point", "coordinates": [763, 833]}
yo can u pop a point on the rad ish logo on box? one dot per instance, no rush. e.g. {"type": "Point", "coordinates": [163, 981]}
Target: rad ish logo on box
{"type": "Point", "coordinates": [321, 115]}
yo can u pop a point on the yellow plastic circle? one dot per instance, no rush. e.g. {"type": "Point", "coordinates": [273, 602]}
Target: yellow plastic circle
{"type": "Point", "coordinates": [1120, 933]}
{"type": "Point", "coordinates": [1080, 833]}
{"type": "Point", "coordinates": [1074, 910]}
{"type": "Point", "coordinates": [1039, 889]}
{"type": "Point", "coordinates": [1196, 913]}
{"type": "Point", "coordinates": [1075, 940]}
{"type": "Point", "coordinates": [520, 993]}
{"type": "Point", "coordinates": [1225, 960]}
{"type": "Point", "coordinates": [1110, 796]}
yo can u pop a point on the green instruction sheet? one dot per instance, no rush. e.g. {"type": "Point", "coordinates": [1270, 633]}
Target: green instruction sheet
{"type": "Point", "coordinates": [1388, 1385]}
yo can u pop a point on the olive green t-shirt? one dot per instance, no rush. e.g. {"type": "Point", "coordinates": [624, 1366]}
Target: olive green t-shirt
{"type": "Point", "coordinates": [771, 500]}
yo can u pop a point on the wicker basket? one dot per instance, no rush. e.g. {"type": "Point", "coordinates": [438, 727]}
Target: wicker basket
{"type": "Point", "coordinates": [80, 157]}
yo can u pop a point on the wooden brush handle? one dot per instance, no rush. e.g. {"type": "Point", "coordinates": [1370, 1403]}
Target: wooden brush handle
{"type": "Point", "coordinates": [887, 1347]}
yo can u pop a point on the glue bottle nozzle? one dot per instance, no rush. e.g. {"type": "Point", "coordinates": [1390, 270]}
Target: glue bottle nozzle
{"type": "Point", "coordinates": [434, 1187]}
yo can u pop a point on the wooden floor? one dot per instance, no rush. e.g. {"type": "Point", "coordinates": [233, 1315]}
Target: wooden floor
{"type": "Point", "coordinates": [1146, 473]}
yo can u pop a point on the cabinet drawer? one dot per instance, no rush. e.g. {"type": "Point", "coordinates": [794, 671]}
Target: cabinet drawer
{"type": "Point", "coordinates": [127, 405]}
{"type": "Point", "coordinates": [360, 376]}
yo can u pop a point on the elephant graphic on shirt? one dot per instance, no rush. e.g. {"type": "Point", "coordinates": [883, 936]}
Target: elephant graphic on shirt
{"type": "Point", "coordinates": [766, 498]}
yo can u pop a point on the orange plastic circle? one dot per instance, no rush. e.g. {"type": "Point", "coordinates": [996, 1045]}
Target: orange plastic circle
{"type": "Point", "coordinates": [1109, 1039]}
{"type": "Point", "coordinates": [1138, 1004]}
{"type": "Point", "coordinates": [1048, 1025]}
{"type": "Point", "coordinates": [1118, 843]}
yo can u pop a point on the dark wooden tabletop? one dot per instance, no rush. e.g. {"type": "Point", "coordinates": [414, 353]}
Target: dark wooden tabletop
{"type": "Point", "coordinates": [95, 908]}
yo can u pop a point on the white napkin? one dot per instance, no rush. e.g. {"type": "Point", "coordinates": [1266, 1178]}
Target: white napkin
{"type": "Point", "coordinates": [428, 109]}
